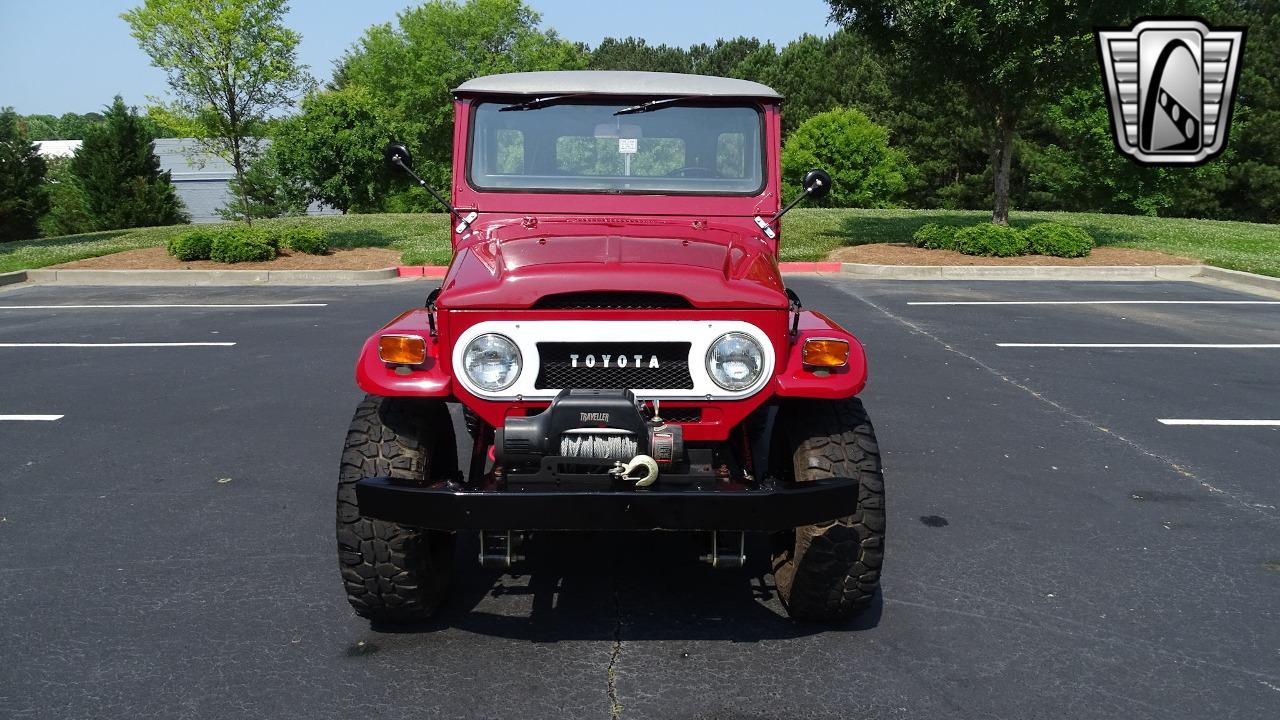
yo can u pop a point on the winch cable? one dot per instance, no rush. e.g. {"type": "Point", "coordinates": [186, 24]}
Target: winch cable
{"type": "Point", "coordinates": [608, 447]}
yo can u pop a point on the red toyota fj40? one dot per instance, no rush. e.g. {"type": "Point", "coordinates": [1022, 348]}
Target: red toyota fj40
{"type": "Point", "coordinates": [626, 355]}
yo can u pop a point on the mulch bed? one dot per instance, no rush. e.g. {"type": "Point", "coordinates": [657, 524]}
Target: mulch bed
{"type": "Point", "coordinates": [158, 259]}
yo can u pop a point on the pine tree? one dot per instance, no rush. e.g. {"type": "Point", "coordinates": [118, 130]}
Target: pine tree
{"type": "Point", "coordinates": [23, 195]}
{"type": "Point", "coordinates": [118, 170]}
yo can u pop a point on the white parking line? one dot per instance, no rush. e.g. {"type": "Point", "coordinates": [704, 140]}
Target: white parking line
{"type": "Point", "coordinates": [32, 418]}
{"type": "Point", "coordinates": [165, 306]}
{"type": "Point", "coordinates": [116, 345]}
{"type": "Point", "coordinates": [1244, 423]}
{"type": "Point", "coordinates": [1144, 346]}
{"type": "Point", "coordinates": [1099, 302]}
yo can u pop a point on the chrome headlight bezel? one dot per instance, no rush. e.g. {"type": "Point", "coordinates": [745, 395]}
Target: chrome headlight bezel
{"type": "Point", "coordinates": [514, 360]}
{"type": "Point", "coordinates": [714, 371]}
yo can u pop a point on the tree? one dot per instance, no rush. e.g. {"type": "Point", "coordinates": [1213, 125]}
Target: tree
{"type": "Point", "coordinates": [412, 68]}
{"type": "Point", "coordinates": [120, 175]}
{"type": "Point", "coordinates": [1253, 192]}
{"type": "Point", "coordinates": [269, 192]}
{"type": "Point", "coordinates": [68, 206]}
{"type": "Point", "coordinates": [73, 126]}
{"type": "Point", "coordinates": [632, 53]}
{"type": "Point", "coordinates": [865, 170]}
{"type": "Point", "coordinates": [817, 74]}
{"type": "Point", "coordinates": [23, 195]}
{"type": "Point", "coordinates": [1007, 57]}
{"type": "Point", "coordinates": [334, 149]}
{"type": "Point", "coordinates": [230, 63]}
{"type": "Point", "coordinates": [42, 127]}
{"type": "Point", "coordinates": [1071, 163]}
{"type": "Point", "coordinates": [741, 57]}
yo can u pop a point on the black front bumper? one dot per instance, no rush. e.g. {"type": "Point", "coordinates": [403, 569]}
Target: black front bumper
{"type": "Point", "coordinates": [765, 509]}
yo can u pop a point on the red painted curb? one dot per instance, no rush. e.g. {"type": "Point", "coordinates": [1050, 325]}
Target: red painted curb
{"type": "Point", "coordinates": [809, 266]}
{"type": "Point", "coordinates": [435, 271]}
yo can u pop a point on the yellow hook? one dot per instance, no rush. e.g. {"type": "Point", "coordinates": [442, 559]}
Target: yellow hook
{"type": "Point", "coordinates": [640, 461]}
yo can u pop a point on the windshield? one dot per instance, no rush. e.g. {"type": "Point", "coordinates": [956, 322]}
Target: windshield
{"type": "Point", "coordinates": [585, 147]}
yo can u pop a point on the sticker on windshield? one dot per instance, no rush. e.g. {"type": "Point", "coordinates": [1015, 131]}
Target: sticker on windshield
{"type": "Point", "coordinates": [628, 146]}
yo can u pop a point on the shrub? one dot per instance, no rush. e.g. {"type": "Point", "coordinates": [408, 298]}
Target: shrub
{"type": "Point", "coordinates": [242, 244]}
{"type": "Point", "coordinates": [865, 170]}
{"type": "Point", "coordinates": [194, 245]}
{"type": "Point", "coordinates": [1058, 240]}
{"type": "Point", "coordinates": [304, 239]}
{"type": "Point", "coordinates": [935, 237]}
{"type": "Point", "coordinates": [991, 239]}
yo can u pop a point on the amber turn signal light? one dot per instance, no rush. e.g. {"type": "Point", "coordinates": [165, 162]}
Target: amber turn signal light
{"type": "Point", "coordinates": [402, 349]}
{"type": "Point", "coordinates": [822, 352]}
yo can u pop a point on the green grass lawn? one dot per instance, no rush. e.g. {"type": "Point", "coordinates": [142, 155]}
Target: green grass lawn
{"type": "Point", "coordinates": [808, 234]}
{"type": "Point", "coordinates": [422, 239]}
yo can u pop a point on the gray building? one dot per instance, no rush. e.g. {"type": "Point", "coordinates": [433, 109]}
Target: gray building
{"type": "Point", "coordinates": [201, 179]}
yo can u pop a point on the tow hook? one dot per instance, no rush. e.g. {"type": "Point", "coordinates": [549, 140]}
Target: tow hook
{"type": "Point", "coordinates": [650, 466]}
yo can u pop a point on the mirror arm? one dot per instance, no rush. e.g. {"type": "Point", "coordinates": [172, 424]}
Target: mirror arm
{"type": "Point", "coordinates": [423, 184]}
{"type": "Point", "coordinates": [794, 201]}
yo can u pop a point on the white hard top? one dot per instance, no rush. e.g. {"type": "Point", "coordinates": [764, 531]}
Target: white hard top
{"type": "Point", "coordinates": [615, 82]}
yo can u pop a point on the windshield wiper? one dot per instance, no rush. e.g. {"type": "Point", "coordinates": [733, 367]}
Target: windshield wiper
{"type": "Point", "coordinates": [651, 105]}
{"type": "Point", "coordinates": [535, 103]}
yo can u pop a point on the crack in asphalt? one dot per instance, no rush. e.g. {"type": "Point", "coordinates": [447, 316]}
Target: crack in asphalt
{"type": "Point", "coordinates": [615, 707]}
{"type": "Point", "coordinates": [1132, 444]}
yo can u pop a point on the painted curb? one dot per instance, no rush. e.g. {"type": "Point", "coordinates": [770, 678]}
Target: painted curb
{"type": "Point", "coordinates": [1238, 277]}
{"type": "Point", "coordinates": [208, 277]}
{"type": "Point", "coordinates": [1022, 272]}
{"type": "Point", "coordinates": [810, 267]}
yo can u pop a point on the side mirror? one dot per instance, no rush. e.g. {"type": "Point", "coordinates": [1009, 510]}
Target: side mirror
{"type": "Point", "coordinates": [816, 184]}
{"type": "Point", "coordinates": [398, 157]}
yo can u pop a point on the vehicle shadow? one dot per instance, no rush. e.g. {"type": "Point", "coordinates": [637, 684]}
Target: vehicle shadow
{"type": "Point", "coordinates": [632, 586]}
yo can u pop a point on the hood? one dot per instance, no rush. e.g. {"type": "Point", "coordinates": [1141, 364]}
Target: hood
{"type": "Point", "coordinates": [711, 268]}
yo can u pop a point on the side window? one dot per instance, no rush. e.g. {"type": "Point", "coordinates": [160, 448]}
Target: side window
{"type": "Point", "coordinates": [731, 156]}
{"type": "Point", "coordinates": [510, 152]}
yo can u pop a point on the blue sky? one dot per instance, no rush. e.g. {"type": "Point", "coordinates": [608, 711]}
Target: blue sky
{"type": "Point", "coordinates": [74, 55]}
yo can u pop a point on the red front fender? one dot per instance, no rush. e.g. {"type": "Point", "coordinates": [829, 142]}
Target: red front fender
{"type": "Point", "coordinates": [427, 380]}
{"type": "Point", "coordinates": [795, 379]}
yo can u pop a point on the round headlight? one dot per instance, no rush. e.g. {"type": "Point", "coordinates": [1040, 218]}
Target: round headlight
{"type": "Point", "coordinates": [492, 362]}
{"type": "Point", "coordinates": [735, 361]}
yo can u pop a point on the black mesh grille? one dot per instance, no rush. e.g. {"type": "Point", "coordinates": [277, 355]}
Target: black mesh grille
{"type": "Point", "coordinates": [620, 371]}
{"type": "Point", "coordinates": [611, 301]}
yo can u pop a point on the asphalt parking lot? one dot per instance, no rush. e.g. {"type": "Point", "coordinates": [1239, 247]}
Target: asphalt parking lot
{"type": "Point", "coordinates": [1068, 538]}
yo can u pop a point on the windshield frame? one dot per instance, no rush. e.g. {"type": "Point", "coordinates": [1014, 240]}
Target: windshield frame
{"type": "Point", "coordinates": [623, 101]}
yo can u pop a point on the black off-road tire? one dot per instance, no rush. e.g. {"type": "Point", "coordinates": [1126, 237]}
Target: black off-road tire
{"type": "Point", "coordinates": [830, 571]}
{"type": "Point", "coordinates": [392, 573]}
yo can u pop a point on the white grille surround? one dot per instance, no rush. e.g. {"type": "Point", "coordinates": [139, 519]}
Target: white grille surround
{"type": "Point", "coordinates": [700, 334]}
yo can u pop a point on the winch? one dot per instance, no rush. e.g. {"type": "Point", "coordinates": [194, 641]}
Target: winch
{"type": "Point", "coordinates": [589, 424]}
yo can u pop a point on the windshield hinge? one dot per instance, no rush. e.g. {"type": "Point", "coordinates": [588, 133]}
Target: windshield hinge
{"type": "Point", "coordinates": [765, 227]}
{"type": "Point", "coordinates": [465, 222]}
